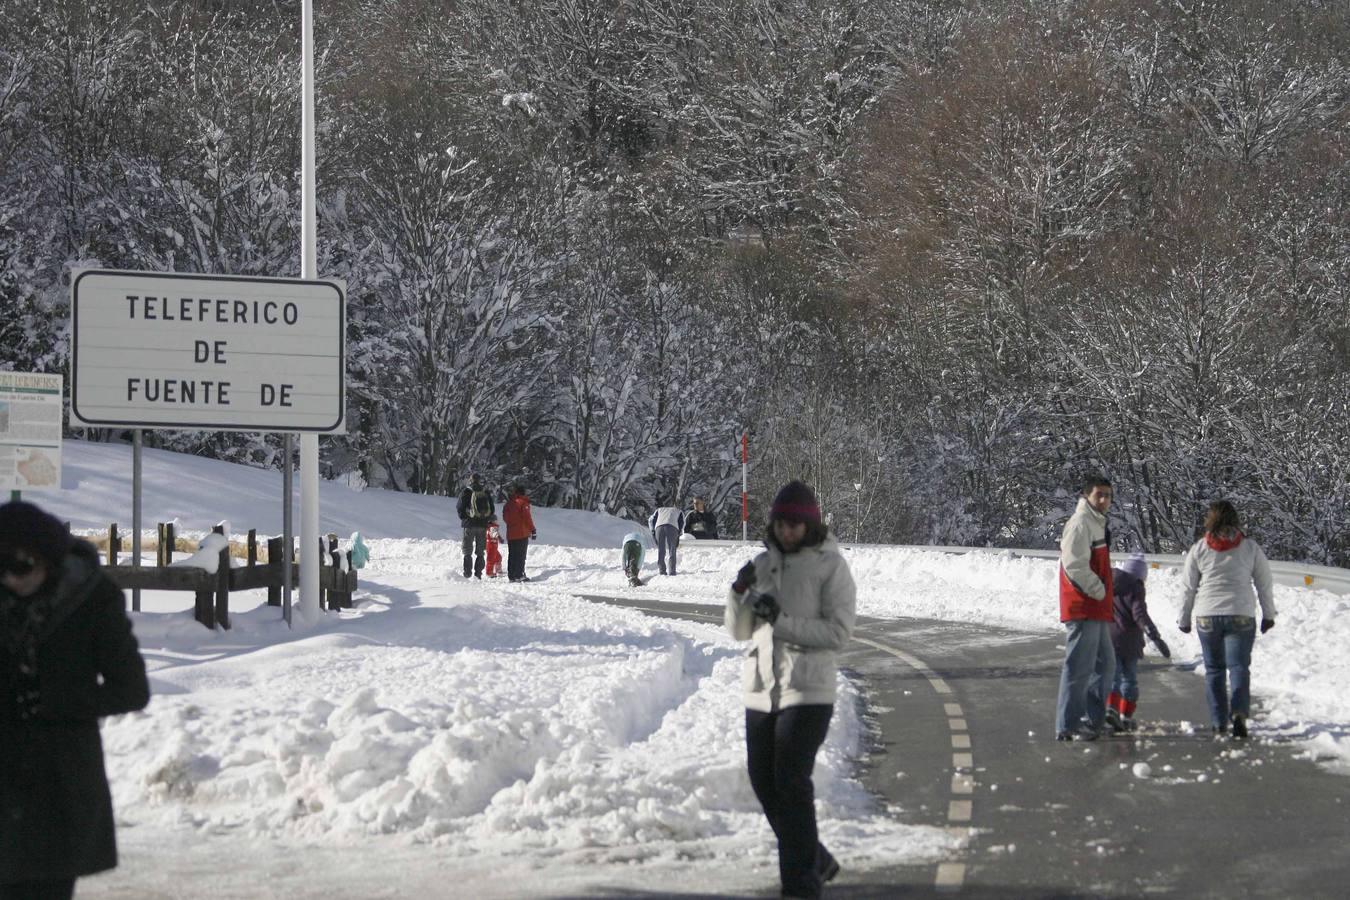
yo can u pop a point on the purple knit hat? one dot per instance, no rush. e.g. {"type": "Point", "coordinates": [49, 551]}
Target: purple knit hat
{"type": "Point", "coordinates": [1136, 565]}
{"type": "Point", "coordinates": [795, 502]}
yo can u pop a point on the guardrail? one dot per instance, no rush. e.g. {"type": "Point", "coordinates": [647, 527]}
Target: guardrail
{"type": "Point", "coordinates": [1326, 578]}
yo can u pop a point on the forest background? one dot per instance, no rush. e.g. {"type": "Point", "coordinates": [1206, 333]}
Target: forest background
{"type": "Point", "coordinates": [961, 254]}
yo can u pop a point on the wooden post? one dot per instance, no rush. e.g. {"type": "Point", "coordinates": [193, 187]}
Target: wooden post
{"type": "Point", "coordinates": [276, 558]}
{"type": "Point", "coordinates": [252, 547]}
{"type": "Point", "coordinates": [167, 539]}
{"type": "Point", "coordinates": [114, 544]}
{"type": "Point", "coordinates": [203, 610]}
{"type": "Point", "coordinates": [223, 588]}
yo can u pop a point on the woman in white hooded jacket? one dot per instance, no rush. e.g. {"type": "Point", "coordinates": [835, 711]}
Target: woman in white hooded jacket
{"type": "Point", "coordinates": [795, 603]}
{"type": "Point", "coordinates": [1217, 580]}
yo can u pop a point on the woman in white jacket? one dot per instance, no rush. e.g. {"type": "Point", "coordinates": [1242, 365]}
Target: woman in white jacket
{"type": "Point", "coordinates": [798, 617]}
{"type": "Point", "coordinates": [1217, 580]}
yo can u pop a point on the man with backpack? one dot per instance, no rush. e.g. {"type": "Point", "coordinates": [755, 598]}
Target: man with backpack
{"type": "Point", "coordinates": [475, 514]}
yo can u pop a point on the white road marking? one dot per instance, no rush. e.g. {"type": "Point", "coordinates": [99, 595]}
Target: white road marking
{"type": "Point", "coordinates": [950, 876]}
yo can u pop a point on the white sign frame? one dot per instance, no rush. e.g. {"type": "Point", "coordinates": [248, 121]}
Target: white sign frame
{"type": "Point", "coordinates": [31, 408]}
{"type": "Point", "coordinates": [171, 350]}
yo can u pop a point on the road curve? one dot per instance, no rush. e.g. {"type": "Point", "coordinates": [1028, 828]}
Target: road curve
{"type": "Point", "coordinates": [962, 718]}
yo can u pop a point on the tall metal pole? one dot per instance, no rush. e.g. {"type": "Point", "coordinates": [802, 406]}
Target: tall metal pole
{"type": "Point", "coordinates": [136, 513]}
{"type": "Point", "coordinates": [309, 442]}
{"type": "Point", "coordinates": [287, 525]}
{"type": "Point", "coordinates": [745, 485]}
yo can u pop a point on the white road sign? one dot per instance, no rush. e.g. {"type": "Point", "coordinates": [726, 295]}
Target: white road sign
{"type": "Point", "coordinates": [30, 431]}
{"type": "Point", "coordinates": [217, 352]}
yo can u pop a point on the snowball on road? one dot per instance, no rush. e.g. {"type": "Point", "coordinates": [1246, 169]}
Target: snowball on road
{"type": "Point", "coordinates": [513, 737]}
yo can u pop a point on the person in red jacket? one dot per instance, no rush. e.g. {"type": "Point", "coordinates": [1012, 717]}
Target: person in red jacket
{"type": "Point", "coordinates": [1086, 609]}
{"type": "Point", "coordinates": [494, 549]}
{"type": "Point", "coordinates": [519, 532]}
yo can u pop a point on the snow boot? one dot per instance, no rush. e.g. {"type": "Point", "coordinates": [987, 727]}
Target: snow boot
{"type": "Point", "coordinates": [1113, 720]}
{"type": "Point", "coordinates": [1240, 726]}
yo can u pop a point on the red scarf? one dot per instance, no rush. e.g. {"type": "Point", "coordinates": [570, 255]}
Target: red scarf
{"type": "Point", "coordinates": [1220, 544]}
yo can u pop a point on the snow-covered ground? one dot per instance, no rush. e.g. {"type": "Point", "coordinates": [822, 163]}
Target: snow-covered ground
{"type": "Point", "coordinates": [514, 740]}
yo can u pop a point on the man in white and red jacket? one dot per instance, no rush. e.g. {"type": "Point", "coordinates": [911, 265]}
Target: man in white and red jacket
{"type": "Point", "coordinates": [1085, 608]}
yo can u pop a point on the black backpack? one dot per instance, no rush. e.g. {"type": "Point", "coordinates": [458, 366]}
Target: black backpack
{"type": "Point", "coordinates": [480, 505]}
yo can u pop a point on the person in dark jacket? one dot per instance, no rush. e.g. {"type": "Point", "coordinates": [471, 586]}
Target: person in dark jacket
{"type": "Point", "coordinates": [476, 512]}
{"type": "Point", "coordinates": [701, 523]}
{"type": "Point", "coordinates": [1128, 627]}
{"type": "Point", "coordinates": [67, 658]}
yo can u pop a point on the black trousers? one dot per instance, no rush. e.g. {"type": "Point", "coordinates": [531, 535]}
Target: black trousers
{"type": "Point", "coordinates": [515, 558]}
{"type": "Point", "coordinates": [781, 751]}
{"type": "Point", "coordinates": [57, 889]}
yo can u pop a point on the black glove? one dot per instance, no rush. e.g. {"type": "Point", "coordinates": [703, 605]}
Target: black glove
{"type": "Point", "coordinates": [1266, 625]}
{"type": "Point", "coordinates": [1184, 629]}
{"type": "Point", "coordinates": [766, 607]}
{"type": "Point", "coordinates": [533, 535]}
{"type": "Point", "coordinates": [1162, 646]}
{"type": "Point", "coordinates": [744, 578]}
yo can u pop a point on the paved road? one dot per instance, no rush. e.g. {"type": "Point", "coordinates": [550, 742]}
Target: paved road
{"type": "Point", "coordinates": [963, 727]}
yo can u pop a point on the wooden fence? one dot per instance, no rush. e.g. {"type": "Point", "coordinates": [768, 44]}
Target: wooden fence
{"type": "Point", "coordinates": [212, 589]}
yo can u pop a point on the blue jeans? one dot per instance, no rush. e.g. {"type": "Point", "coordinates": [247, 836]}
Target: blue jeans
{"type": "Point", "coordinates": [1089, 667]}
{"type": "Point", "coordinates": [1126, 682]}
{"type": "Point", "coordinates": [1226, 643]}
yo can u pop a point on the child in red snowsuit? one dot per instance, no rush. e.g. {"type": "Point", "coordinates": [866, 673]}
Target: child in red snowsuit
{"type": "Point", "coordinates": [494, 552]}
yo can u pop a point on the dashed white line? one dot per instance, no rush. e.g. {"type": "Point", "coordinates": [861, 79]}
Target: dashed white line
{"type": "Point", "coordinates": [950, 876]}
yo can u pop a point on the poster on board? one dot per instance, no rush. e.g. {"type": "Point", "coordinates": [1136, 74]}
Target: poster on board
{"type": "Point", "coordinates": [30, 431]}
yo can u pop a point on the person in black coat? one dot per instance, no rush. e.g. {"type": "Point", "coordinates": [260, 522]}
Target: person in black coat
{"type": "Point", "coordinates": [67, 658]}
{"type": "Point", "coordinates": [476, 512]}
{"type": "Point", "coordinates": [701, 523]}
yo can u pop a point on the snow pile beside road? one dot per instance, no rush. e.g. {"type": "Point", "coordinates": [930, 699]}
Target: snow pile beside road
{"type": "Point", "coordinates": [475, 717]}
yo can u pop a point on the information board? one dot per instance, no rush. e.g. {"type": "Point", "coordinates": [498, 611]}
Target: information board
{"type": "Point", "coordinates": [30, 431]}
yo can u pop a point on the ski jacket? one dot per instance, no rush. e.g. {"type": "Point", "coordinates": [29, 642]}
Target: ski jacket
{"type": "Point", "coordinates": [794, 660]}
{"type": "Point", "coordinates": [519, 522]}
{"type": "Point", "coordinates": [494, 549]}
{"type": "Point", "coordinates": [468, 521]}
{"type": "Point", "coordinates": [701, 524]}
{"type": "Point", "coordinates": [1130, 616]}
{"type": "Point", "coordinates": [1218, 582]}
{"type": "Point", "coordinates": [1085, 566]}
{"type": "Point", "coordinates": [667, 515]}
{"type": "Point", "coordinates": [54, 799]}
